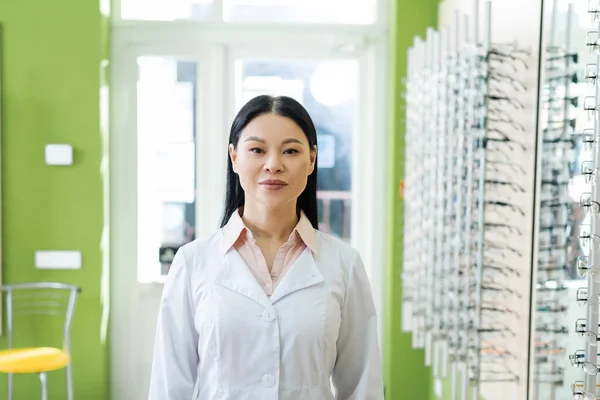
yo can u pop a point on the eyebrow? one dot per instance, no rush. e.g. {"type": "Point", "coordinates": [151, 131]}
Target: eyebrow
{"type": "Point", "coordinates": [263, 141]}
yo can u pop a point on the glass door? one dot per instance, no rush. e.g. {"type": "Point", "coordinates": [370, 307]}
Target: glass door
{"type": "Point", "coordinates": [181, 150]}
{"type": "Point", "coordinates": [172, 113]}
{"type": "Point", "coordinates": [166, 116]}
{"type": "Point", "coordinates": [167, 128]}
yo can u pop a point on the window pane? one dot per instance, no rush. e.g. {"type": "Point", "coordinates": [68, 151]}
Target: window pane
{"type": "Point", "coordinates": [328, 91]}
{"type": "Point", "coordinates": [291, 11]}
{"type": "Point", "coordinates": [308, 11]}
{"type": "Point", "coordinates": [165, 10]}
{"type": "Point", "coordinates": [166, 97]}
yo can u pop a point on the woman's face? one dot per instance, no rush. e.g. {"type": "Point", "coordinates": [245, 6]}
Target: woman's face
{"type": "Point", "coordinates": [273, 160]}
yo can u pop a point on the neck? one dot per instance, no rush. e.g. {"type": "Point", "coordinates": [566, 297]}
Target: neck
{"type": "Point", "coordinates": [270, 224]}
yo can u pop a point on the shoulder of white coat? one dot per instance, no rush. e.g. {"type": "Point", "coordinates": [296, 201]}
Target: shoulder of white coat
{"type": "Point", "coordinates": [334, 249]}
{"type": "Point", "coordinates": [197, 252]}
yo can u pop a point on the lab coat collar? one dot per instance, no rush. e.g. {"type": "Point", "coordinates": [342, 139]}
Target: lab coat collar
{"type": "Point", "coordinates": [236, 276]}
{"type": "Point", "coordinates": [235, 228]}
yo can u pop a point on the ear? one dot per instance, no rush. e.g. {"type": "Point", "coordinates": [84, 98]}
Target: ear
{"type": "Point", "coordinates": [232, 156]}
{"type": "Point", "coordinates": [313, 160]}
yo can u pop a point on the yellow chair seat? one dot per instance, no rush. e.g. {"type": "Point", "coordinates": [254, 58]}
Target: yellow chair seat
{"type": "Point", "coordinates": [33, 360]}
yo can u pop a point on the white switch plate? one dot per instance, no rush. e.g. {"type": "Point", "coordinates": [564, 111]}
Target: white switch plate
{"type": "Point", "coordinates": [54, 259]}
{"type": "Point", "coordinates": [59, 154]}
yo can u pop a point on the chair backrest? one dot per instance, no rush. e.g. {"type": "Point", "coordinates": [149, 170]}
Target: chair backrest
{"type": "Point", "coordinates": [41, 299]}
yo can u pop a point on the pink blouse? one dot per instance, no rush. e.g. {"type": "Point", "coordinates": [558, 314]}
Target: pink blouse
{"type": "Point", "coordinates": [238, 236]}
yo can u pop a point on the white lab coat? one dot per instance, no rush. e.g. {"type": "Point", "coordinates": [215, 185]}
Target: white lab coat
{"type": "Point", "coordinates": [220, 337]}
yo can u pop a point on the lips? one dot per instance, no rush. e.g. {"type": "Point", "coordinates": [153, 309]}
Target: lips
{"type": "Point", "coordinates": [273, 184]}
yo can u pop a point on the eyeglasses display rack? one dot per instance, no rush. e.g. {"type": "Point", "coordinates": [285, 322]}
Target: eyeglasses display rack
{"type": "Point", "coordinates": [456, 197]}
{"type": "Point", "coordinates": [588, 293]}
{"type": "Point", "coordinates": [558, 139]}
{"type": "Point", "coordinates": [468, 204]}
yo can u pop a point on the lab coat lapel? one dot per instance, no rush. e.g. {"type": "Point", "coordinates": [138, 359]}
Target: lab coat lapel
{"type": "Point", "coordinates": [236, 276]}
{"type": "Point", "coordinates": [302, 274]}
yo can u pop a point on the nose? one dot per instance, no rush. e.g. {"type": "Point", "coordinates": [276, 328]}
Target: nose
{"type": "Point", "coordinates": [273, 163]}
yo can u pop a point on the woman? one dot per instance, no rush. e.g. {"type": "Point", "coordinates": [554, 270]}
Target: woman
{"type": "Point", "coordinates": [268, 307]}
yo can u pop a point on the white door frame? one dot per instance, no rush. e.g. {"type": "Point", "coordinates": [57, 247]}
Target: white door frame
{"type": "Point", "coordinates": [214, 51]}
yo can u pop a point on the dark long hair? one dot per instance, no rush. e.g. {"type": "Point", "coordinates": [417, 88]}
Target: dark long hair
{"type": "Point", "coordinates": [286, 107]}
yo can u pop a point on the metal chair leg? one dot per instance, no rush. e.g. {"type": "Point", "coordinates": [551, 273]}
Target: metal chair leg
{"type": "Point", "coordinates": [69, 382]}
{"type": "Point", "coordinates": [10, 386]}
{"type": "Point", "coordinates": [43, 380]}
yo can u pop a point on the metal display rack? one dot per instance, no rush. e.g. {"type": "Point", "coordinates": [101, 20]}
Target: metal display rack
{"type": "Point", "coordinates": [462, 206]}
{"type": "Point", "coordinates": [589, 234]}
{"type": "Point", "coordinates": [502, 200]}
{"type": "Point", "coordinates": [555, 229]}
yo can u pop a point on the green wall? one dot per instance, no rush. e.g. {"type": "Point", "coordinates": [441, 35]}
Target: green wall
{"type": "Point", "coordinates": [406, 377]}
{"type": "Point", "coordinates": [52, 52]}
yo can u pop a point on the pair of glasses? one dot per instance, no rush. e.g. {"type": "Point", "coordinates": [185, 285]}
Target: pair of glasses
{"type": "Point", "coordinates": [549, 309]}
{"type": "Point", "coordinates": [551, 286]}
{"type": "Point", "coordinates": [553, 330]}
{"type": "Point", "coordinates": [582, 295]}
{"type": "Point", "coordinates": [577, 359]}
{"type": "Point", "coordinates": [579, 393]}
{"type": "Point", "coordinates": [589, 205]}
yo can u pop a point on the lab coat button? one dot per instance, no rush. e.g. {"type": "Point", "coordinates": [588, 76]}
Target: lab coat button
{"type": "Point", "coordinates": [268, 380]}
{"type": "Point", "coordinates": [268, 316]}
